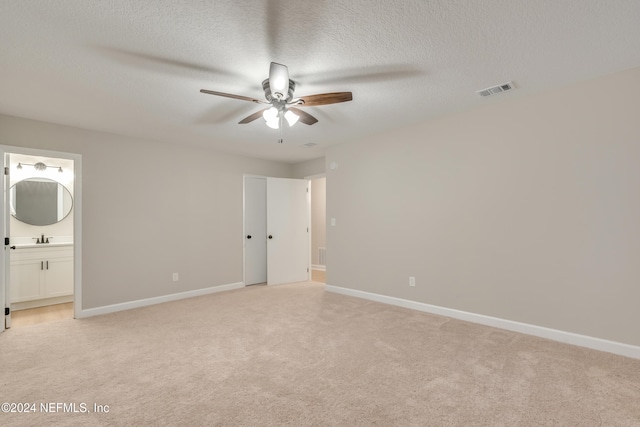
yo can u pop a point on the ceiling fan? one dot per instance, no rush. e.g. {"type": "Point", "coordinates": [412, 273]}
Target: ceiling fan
{"type": "Point", "coordinates": [278, 91]}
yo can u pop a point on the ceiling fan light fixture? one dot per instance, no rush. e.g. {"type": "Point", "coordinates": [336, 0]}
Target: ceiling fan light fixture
{"type": "Point", "coordinates": [270, 114]}
{"type": "Point", "coordinates": [279, 80]}
{"type": "Point", "coordinates": [274, 123]}
{"type": "Point", "coordinates": [279, 87]}
{"type": "Point", "coordinates": [292, 118]}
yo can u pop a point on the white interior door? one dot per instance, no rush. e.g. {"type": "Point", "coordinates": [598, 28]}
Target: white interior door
{"type": "Point", "coordinates": [255, 230]}
{"type": "Point", "coordinates": [5, 291]}
{"type": "Point", "coordinates": [288, 231]}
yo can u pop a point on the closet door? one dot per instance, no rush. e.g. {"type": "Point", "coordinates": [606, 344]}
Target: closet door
{"type": "Point", "coordinates": [5, 260]}
{"type": "Point", "coordinates": [287, 231]}
{"type": "Point", "coordinates": [255, 230]}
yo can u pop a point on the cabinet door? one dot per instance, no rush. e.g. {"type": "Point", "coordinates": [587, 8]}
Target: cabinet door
{"type": "Point", "coordinates": [26, 280]}
{"type": "Point", "coordinates": [58, 277]}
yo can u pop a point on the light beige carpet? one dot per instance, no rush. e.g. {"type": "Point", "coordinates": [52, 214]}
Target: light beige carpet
{"type": "Point", "coordinates": [296, 355]}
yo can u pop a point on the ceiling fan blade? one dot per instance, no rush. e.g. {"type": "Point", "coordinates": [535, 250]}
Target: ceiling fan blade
{"type": "Point", "coordinates": [305, 117]}
{"type": "Point", "coordinates": [279, 80]}
{"type": "Point", "coordinates": [326, 98]}
{"type": "Point", "coordinates": [369, 74]}
{"type": "Point", "coordinates": [252, 117]}
{"type": "Point", "coordinates": [158, 64]}
{"type": "Point", "coordinates": [230, 95]}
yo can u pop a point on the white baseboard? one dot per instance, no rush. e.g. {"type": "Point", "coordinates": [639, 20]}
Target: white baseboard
{"type": "Point", "coordinates": [318, 267]}
{"type": "Point", "coordinates": [25, 305]}
{"type": "Point", "coordinates": [156, 300]}
{"type": "Point", "coordinates": [622, 349]}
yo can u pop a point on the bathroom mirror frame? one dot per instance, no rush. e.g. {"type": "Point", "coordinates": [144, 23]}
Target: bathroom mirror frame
{"type": "Point", "coordinates": [41, 201]}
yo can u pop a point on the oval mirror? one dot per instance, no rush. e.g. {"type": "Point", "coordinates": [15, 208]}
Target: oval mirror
{"type": "Point", "coordinates": [40, 201]}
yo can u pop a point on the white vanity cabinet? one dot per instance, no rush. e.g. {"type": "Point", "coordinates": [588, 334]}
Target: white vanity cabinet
{"type": "Point", "coordinates": [41, 272]}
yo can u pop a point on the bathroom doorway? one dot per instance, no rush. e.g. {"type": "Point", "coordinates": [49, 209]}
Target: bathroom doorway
{"type": "Point", "coordinates": [41, 208]}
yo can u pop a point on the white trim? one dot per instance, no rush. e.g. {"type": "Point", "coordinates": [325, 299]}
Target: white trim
{"type": "Point", "coordinates": [157, 300]}
{"type": "Point", "coordinates": [77, 236]}
{"type": "Point", "coordinates": [309, 231]}
{"type": "Point", "coordinates": [25, 305]}
{"type": "Point", "coordinates": [310, 208]}
{"type": "Point", "coordinates": [5, 282]}
{"type": "Point", "coordinates": [316, 176]}
{"type": "Point", "coordinates": [622, 349]}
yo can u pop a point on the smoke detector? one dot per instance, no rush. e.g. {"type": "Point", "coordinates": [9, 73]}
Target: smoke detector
{"type": "Point", "coordinates": [493, 90]}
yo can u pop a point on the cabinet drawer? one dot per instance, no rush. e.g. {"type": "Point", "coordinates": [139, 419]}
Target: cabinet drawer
{"type": "Point", "coordinates": [41, 253]}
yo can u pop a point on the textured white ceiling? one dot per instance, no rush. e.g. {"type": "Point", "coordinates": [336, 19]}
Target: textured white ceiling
{"type": "Point", "coordinates": [136, 67]}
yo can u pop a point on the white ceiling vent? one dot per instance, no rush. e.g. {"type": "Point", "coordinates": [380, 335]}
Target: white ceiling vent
{"type": "Point", "coordinates": [496, 89]}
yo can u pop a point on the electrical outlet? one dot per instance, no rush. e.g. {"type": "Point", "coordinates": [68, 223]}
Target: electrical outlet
{"type": "Point", "coordinates": [412, 281]}
{"type": "Point", "coordinates": [176, 277]}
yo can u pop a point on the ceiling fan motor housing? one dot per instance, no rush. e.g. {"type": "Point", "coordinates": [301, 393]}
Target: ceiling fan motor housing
{"type": "Point", "coordinates": [269, 96]}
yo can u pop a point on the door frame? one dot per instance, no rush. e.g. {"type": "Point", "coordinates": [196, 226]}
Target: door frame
{"type": "Point", "coordinates": [77, 220]}
{"type": "Point", "coordinates": [310, 202]}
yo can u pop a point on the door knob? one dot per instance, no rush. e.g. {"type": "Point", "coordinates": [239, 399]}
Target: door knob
{"type": "Point", "coordinates": [270, 236]}
{"type": "Point", "coordinates": [248, 236]}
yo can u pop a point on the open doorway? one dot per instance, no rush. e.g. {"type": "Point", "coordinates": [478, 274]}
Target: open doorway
{"type": "Point", "coordinates": [41, 217]}
{"type": "Point", "coordinates": [318, 228]}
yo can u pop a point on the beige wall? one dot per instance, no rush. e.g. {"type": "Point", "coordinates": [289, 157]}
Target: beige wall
{"type": "Point", "coordinates": [150, 209]}
{"type": "Point", "coordinates": [527, 210]}
{"type": "Point", "coordinates": [318, 218]}
{"type": "Point", "coordinates": [308, 168]}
